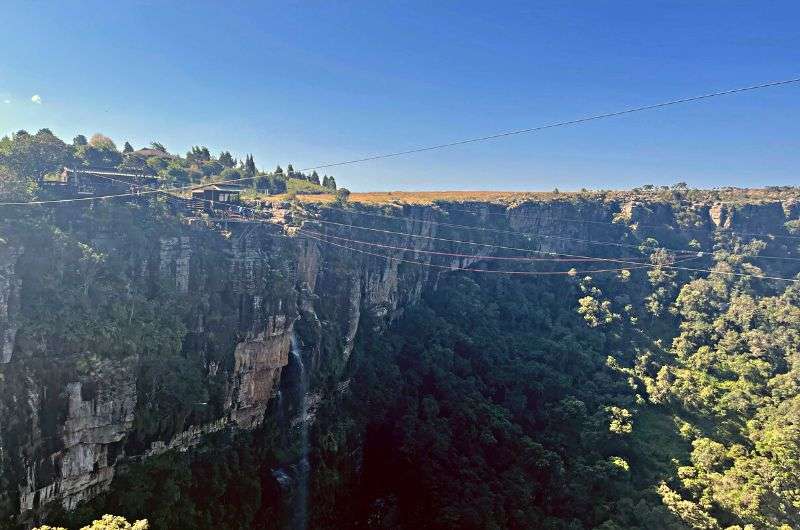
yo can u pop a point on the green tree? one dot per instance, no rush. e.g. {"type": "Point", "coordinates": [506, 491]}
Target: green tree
{"type": "Point", "coordinates": [232, 173]}
{"type": "Point", "coordinates": [198, 155]}
{"type": "Point", "coordinates": [99, 152]}
{"type": "Point", "coordinates": [32, 156]}
{"type": "Point", "coordinates": [226, 159]}
{"type": "Point", "coordinates": [249, 166]}
{"type": "Point", "coordinates": [14, 188]}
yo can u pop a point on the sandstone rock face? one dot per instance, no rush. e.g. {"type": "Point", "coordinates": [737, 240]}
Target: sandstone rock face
{"type": "Point", "coordinates": [100, 413]}
{"type": "Point", "coordinates": [257, 369]}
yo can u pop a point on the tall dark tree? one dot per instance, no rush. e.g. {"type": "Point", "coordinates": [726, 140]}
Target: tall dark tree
{"type": "Point", "coordinates": [249, 166]}
{"type": "Point", "coordinates": [80, 140]}
{"type": "Point", "coordinates": [226, 159]}
{"type": "Point", "coordinates": [314, 178]}
{"type": "Point", "coordinates": [127, 148]}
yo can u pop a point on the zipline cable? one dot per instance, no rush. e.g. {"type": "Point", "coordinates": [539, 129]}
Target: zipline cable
{"type": "Point", "coordinates": [474, 243]}
{"type": "Point", "coordinates": [557, 124]}
{"type": "Point", "coordinates": [465, 269]}
{"type": "Point", "coordinates": [457, 255]}
{"type": "Point", "coordinates": [634, 265]}
{"type": "Point", "coordinates": [535, 235]}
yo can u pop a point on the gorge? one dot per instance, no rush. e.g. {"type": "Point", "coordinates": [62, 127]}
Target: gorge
{"type": "Point", "coordinates": [132, 340]}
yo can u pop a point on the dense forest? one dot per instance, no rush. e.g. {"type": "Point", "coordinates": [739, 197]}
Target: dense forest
{"type": "Point", "coordinates": [657, 397]}
{"type": "Point", "coordinates": [508, 403]}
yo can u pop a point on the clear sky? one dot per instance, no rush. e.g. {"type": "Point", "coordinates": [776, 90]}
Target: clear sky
{"type": "Point", "coordinates": [314, 82]}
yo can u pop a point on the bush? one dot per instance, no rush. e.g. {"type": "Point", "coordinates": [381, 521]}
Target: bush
{"type": "Point", "coordinates": [304, 187]}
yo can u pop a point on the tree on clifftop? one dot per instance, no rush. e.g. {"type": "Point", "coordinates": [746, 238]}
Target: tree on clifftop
{"type": "Point", "coordinates": [226, 159]}
{"type": "Point", "coordinates": [13, 188]}
{"type": "Point", "coordinates": [249, 166]}
{"type": "Point", "coordinates": [101, 151]}
{"type": "Point", "coordinates": [32, 156]}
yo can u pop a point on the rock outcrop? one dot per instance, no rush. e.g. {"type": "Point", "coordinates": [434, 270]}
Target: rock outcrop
{"type": "Point", "coordinates": [100, 413]}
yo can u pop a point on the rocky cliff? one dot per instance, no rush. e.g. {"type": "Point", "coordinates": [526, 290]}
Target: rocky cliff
{"type": "Point", "coordinates": [123, 341]}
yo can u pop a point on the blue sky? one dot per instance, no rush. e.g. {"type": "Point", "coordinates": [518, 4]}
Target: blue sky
{"type": "Point", "coordinates": [314, 82]}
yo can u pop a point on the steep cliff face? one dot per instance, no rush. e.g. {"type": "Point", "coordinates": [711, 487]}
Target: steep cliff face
{"type": "Point", "coordinates": [9, 300]}
{"type": "Point", "coordinates": [71, 410]}
{"type": "Point", "coordinates": [100, 413]}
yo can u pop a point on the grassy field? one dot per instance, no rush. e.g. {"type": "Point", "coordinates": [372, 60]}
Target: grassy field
{"type": "Point", "coordinates": [512, 198]}
{"type": "Point", "coordinates": [425, 197]}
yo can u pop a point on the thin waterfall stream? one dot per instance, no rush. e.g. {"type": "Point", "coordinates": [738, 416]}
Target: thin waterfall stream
{"type": "Point", "coordinates": [300, 500]}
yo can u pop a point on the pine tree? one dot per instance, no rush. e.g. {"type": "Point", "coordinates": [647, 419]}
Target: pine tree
{"type": "Point", "coordinates": [249, 166]}
{"type": "Point", "coordinates": [127, 148]}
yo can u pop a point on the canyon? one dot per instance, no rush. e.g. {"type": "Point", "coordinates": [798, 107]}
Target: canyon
{"type": "Point", "coordinates": [71, 413]}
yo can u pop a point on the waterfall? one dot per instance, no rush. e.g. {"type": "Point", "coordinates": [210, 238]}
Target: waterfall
{"type": "Point", "coordinates": [300, 500]}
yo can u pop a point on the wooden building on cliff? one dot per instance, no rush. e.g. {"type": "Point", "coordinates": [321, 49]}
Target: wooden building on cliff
{"type": "Point", "coordinates": [219, 196]}
{"type": "Point", "coordinates": [102, 181]}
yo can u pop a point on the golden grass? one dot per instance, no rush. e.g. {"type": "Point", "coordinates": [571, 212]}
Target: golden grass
{"type": "Point", "coordinates": [424, 197]}
{"type": "Point", "coordinates": [513, 198]}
